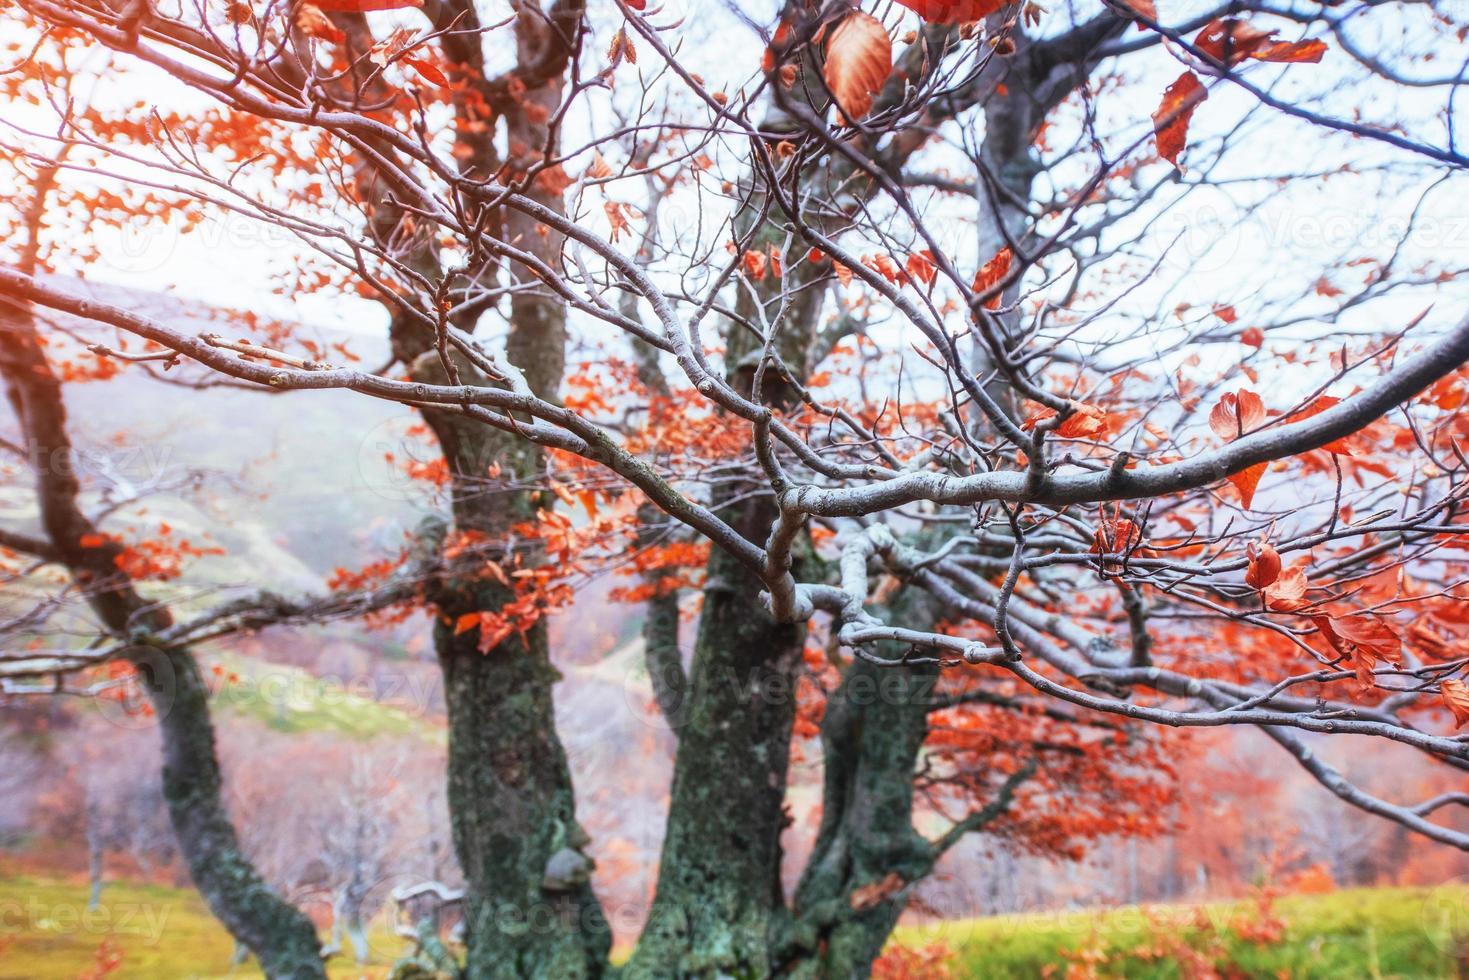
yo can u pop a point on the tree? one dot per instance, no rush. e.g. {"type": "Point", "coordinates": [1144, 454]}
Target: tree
{"type": "Point", "coordinates": [989, 479]}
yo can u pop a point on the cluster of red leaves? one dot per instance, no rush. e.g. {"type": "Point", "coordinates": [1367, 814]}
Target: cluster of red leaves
{"type": "Point", "coordinates": [160, 558]}
{"type": "Point", "coordinates": [370, 576]}
{"type": "Point", "coordinates": [932, 961]}
{"type": "Point", "coordinates": [665, 568]}
{"type": "Point", "coordinates": [1091, 781]}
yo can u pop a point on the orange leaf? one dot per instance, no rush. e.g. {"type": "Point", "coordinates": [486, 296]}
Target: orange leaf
{"type": "Point", "coordinates": [1143, 8]}
{"type": "Point", "coordinates": [1237, 414]}
{"type": "Point", "coordinates": [755, 264]}
{"type": "Point", "coordinates": [1288, 593]}
{"type": "Point", "coordinates": [1264, 567]}
{"type": "Point", "coordinates": [314, 23]}
{"type": "Point", "coordinates": [1116, 536]}
{"type": "Point", "coordinates": [1455, 694]}
{"type": "Point", "coordinates": [1253, 337]}
{"type": "Point", "coordinates": [921, 268]}
{"type": "Point", "coordinates": [1293, 52]}
{"type": "Point", "coordinates": [990, 276]}
{"type": "Point", "coordinates": [466, 623]}
{"type": "Point", "coordinates": [859, 58]}
{"type": "Point", "coordinates": [428, 70]}
{"type": "Point", "coordinates": [615, 218]}
{"type": "Point", "coordinates": [1246, 480]}
{"type": "Point", "coordinates": [1345, 446]}
{"type": "Point", "coordinates": [1170, 121]}
{"type": "Point", "coordinates": [954, 11]}
{"type": "Point", "coordinates": [1230, 41]}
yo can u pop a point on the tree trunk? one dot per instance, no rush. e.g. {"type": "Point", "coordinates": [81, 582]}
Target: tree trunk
{"type": "Point", "coordinates": [513, 812]}
{"type": "Point", "coordinates": [719, 888]}
{"type": "Point", "coordinates": [280, 936]}
{"type": "Point", "coordinates": [874, 727]}
{"type": "Point", "coordinates": [94, 851]}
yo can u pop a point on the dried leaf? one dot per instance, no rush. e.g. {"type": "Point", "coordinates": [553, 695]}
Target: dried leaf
{"type": "Point", "coordinates": [428, 70]}
{"type": "Point", "coordinates": [1170, 121]}
{"type": "Point", "coordinates": [859, 58]}
{"type": "Point", "coordinates": [1288, 593]}
{"type": "Point", "coordinates": [1455, 694]}
{"type": "Point", "coordinates": [1264, 567]}
{"type": "Point", "coordinates": [314, 23]}
{"type": "Point", "coordinates": [988, 277]}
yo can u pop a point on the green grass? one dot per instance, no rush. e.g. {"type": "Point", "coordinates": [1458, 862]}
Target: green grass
{"type": "Point", "coordinates": [47, 933]}
{"type": "Point", "coordinates": [168, 934]}
{"type": "Point", "coordinates": [1370, 933]}
{"type": "Point", "coordinates": [290, 699]}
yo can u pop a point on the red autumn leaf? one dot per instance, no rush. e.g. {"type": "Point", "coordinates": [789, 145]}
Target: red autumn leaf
{"type": "Point", "coordinates": [1253, 337]}
{"type": "Point", "coordinates": [1237, 414]}
{"type": "Point", "coordinates": [882, 263]}
{"type": "Point", "coordinates": [1345, 446]}
{"type": "Point", "coordinates": [1455, 694]}
{"type": "Point", "coordinates": [1085, 421]}
{"type": "Point", "coordinates": [1264, 567]}
{"type": "Point", "coordinates": [638, 5]}
{"type": "Point", "coordinates": [360, 6]}
{"type": "Point", "coordinates": [466, 623]}
{"type": "Point", "coordinates": [921, 268]}
{"type": "Point", "coordinates": [1226, 313]}
{"type": "Point", "coordinates": [1231, 41]}
{"type": "Point", "coordinates": [1170, 121]}
{"type": "Point", "coordinates": [314, 23]}
{"type": "Point", "coordinates": [954, 11]}
{"type": "Point", "coordinates": [615, 218]}
{"type": "Point", "coordinates": [1293, 52]}
{"type": "Point", "coordinates": [1288, 592]}
{"type": "Point", "coordinates": [859, 58]}
{"type": "Point", "coordinates": [1245, 481]}
{"type": "Point", "coordinates": [428, 70]}
{"type": "Point", "coordinates": [990, 276]}
{"type": "Point", "coordinates": [1143, 8]}
{"type": "Point", "coordinates": [1116, 536]}
{"type": "Point", "coordinates": [1372, 633]}
{"type": "Point", "coordinates": [1364, 640]}
{"type": "Point", "coordinates": [754, 263]}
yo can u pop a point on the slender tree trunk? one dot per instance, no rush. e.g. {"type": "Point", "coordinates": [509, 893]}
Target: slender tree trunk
{"type": "Point", "coordinates": [94, 851]}
{"type": "Point", "coordinates": [281, 937]}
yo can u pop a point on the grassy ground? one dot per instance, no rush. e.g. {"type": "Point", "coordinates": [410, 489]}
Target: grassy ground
{"type": "Point", "coordinates": [46, 933]}
{"type": "Point", "coordinates": [1368, 933]}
